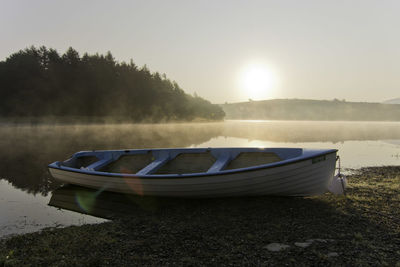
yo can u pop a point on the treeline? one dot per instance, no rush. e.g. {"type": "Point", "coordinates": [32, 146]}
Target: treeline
{"type": "Point", "coordinates": [300, 109]}
{"type": "Point", "coordinates": [40, 82]}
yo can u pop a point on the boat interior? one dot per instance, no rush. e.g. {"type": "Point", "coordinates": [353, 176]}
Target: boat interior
{"type": "Point", "coordinates": [177, 161]}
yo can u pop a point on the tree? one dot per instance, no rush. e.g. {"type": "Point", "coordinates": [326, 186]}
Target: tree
{"type": "Point", "coordinates": [41, 82]}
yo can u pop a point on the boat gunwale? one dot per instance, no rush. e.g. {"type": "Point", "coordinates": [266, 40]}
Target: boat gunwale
{"type": "Point", "coordinates": [313, 154]}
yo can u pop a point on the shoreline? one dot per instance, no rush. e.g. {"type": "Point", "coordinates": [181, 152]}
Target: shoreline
{"type": "Point", "coordinates": [74, 120]}
{"type": "Point", "coordinates": [361, 228]}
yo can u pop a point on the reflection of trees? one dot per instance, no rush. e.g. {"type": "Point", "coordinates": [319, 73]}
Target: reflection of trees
{"type": "Point", "coordinates": [27, 150]}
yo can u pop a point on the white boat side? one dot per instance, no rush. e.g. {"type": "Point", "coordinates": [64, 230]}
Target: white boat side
{"type": "Point", "coordinates": [309, 172]}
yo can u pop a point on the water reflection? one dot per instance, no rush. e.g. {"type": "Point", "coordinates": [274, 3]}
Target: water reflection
{"type": "Point", "coordinates": [23, 213]}
{"type": "Point", "coordinates": [108, 205]}
{"type": "Point", "coordinates": [311, 131]}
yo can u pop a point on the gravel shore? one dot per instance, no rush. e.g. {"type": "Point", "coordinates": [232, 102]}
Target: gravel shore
{"type": "Point", "coordinates": [361, 228]}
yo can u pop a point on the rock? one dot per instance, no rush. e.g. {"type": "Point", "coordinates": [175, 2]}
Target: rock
{"type": "Point", "coordinates": [302, 244]}
{"type": "Point", "coordinates": [276, 247]}
{"type": "Point", "coordinates": [333, 254]}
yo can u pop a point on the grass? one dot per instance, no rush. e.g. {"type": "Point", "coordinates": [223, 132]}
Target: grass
{"type": "Point", "coordinates": [359, 229]}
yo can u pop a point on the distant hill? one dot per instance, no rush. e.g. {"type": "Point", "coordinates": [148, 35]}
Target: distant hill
{"type": "Point", "coordinates": [40, 82]}
{"type": "Point", "coordinates": [392, 101]}
{"type": "Point", "coordinates": [302, 109]}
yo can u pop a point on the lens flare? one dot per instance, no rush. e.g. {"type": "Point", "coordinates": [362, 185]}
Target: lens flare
{"type": "Point", "coordinates": [133, 183]}
{"type": "Point", "coordinates": [87, 200]}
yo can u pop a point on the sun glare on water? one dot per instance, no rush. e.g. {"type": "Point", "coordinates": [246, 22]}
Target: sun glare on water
{"type": "Point", "coordinates": [258, 81]}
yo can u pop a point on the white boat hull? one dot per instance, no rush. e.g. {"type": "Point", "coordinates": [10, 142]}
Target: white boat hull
{"type": "Point", "coordinates": [301, 178]}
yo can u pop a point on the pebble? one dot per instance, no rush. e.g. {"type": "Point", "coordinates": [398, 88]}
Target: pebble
{"type": "Point", "coordinates": [302, 244]}
{"type": "Point", "coordinates": [333, 254]}
{"type": "Point", "coordinates": [319, 240]}
{"type": "Point", "coordinates": [276, 247]}
{"type": "Point", "coordinates": [310, 241]}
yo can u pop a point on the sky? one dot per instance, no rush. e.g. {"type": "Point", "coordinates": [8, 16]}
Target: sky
{"type": "Point", "coordinates": [227, 50]}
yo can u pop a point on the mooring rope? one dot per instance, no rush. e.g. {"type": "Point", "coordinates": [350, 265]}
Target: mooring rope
{"type": "Point", "coordinates": [340, 175]}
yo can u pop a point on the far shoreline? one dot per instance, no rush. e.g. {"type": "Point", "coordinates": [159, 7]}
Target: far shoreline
{"type": "Point", "coordinates": [79, 120]}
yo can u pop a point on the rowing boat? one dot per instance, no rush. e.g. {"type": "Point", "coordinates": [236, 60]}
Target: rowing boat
{"type": "Point", "coordinates": [202, 172]}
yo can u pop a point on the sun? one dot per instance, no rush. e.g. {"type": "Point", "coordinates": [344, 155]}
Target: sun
{"type": "Point", "coordinates": [257, 81]}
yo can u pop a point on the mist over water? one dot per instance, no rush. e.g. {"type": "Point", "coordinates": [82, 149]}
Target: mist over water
{"type": "Point", "coordinates": [28, 149]}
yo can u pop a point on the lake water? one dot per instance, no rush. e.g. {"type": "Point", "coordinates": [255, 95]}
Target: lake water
{"type": "Point", "coordinates": [26, 188]}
